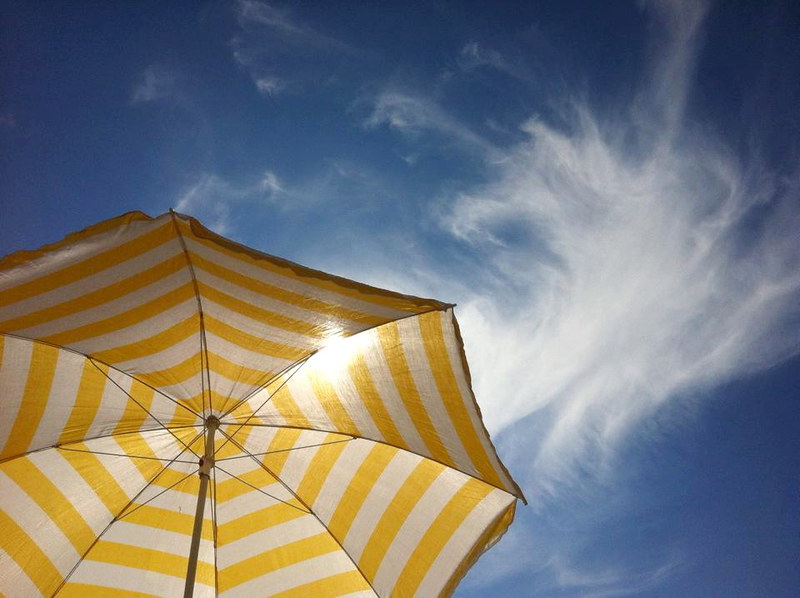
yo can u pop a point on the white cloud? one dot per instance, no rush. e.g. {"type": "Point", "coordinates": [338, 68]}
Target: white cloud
{"type": "Point", "coordinates": [270, 86]}
{"type": "Point", "coordinates": [412, 114]}
{"type": "Point", "coordinates": [280, 52]}
{"type": "Point", "coordinates": [622, 278]}
{"type": "Point", "coordinates": [475, 55]}
{"type": "Point", "coordinates": [214, 200]}
{"type": "Point", "coordinates": [156, 83]}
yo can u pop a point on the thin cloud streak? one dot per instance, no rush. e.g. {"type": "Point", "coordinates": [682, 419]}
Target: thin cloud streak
{"type": "Point", "coordinates": [413, 115]}
{"type": "Point", "coordinates": [215, 200]}
{"type": "Point", "coordinates": [636, 280]}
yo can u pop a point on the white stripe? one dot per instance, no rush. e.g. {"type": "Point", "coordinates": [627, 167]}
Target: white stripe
{"type": "Point", "coordinates": [455, 356]}
{"type": "Point", "coordinates": [109, 309]}
{"type": "Point", "coordinates": [76, 253]}
{"type": "Point", "coordinates": [14, 370]}
{"type": "Point", "coordinates": [294, 575]}
{"type": "Point", "coordinates": [14, 581]}
{"type": "Point", "coordinates": [292, 282]}
{"type": "Point", "coordinates": [63, 393]}
{"type": "Point", "coordinates": [38, 525]}
{"type": "Point", "coordinates": [141, 331]}
{"type": "Point", "coordinates": [384, 383]}
{"type": "Point", "coordinates": [260, 329]}
{"type": "Point", "coordinates": [420, 367]}
{"type": "Point", "coordinates": [267, 539]}
{"type": "Point", "coordinates": [339, 478]}
{"type": "Point", "coordinates": [74, 488]}
{"type": "Point", "coordinates": [462, 541]}
{"type": "Point", "coordinates": [384, 490]}
{"type": "Point", "coordinates": [417, 522]}
{"type": "Point", "coordinates": [134, 580]}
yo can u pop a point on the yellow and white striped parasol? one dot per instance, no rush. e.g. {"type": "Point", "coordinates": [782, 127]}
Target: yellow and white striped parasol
{"type": "Point", "coordinates": [182, 414]}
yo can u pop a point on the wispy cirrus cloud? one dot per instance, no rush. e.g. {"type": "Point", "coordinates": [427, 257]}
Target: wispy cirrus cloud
{"type": "Point", "coordinates": [476, 55]}
{"type": "Point", "coordinates": [157, 82]}
{"type": "Point", "coordinates": [413, 115]}
{"type": "Point", "coordinates": [217, 202]}
{"type": "Point", "coordinates": [639, 276]}
{"type": "Point", "coordinates": [281, 53]}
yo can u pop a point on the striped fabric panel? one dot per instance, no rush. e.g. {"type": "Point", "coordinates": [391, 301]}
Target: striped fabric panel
{"type": "Point", "coordinates": [267, 541]}
{"type": "Point", "coordinates": [268, 315]}
{"type": "Point", "coordinates": [376, 503]}
{"type": "Point", "coordinates": [57, 502]}
{"type": "Point", "coordinates": [124, 296]}
{"type": "Point", "coordinates": [146, 550]}
{"type": "Point", "coordinates": [403, 383]}
{"type": "Point", "coordinates": [50, 396]}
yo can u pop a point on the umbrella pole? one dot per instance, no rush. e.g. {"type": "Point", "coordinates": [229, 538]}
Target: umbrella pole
{"type": "Point", "coordinates": [206, 463]}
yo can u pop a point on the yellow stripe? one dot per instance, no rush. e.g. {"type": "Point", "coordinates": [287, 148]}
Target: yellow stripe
{"type": "Point", "coordinates": [115, 323]}
{"type": "Point", "coordinates": [87, 402]}
{"type": "Point", "coordinates": [251, 342]}
{"type": "Point", "coordinates": [333, 585]}
{"type": "Point", "coordinates": [395, 515]}
{"type": "Point", "coordinates": [260, 520]}
{"type": "Point", "coordinates": [260, 314]}
{"type": "Point", "coordinates": [327, 397]}
{"type": "Point", "coordinates": [231, 487]}
{"type": "Point", "coordinates": [321, 309]}
{"type": "Point", "coordinates": [84, 590]}
{"type": "Point", "coordinates": [41, 370]}
{"type": "Point", "coordinates": [24, 473]}
{"type": "Point", "coordinates": [74, 272]}
{"type": "Point", "coordinates": [436, 350]}
{"type": "Point", "coordinates": [314, 278]}
{"type": "Point", "coordinates": [284, 438]}
{"type": "Point", "coordinates": [359, 488]}
{"type": "Point", "coordinates": [98, 297]}
{"type": "Point", "coordinates": [287, 408]}
{"type": "Point", "coordinates": [134, 415]}
{"type": "Point", "coordinates": [135, 444]}
{"type": "Point", "coordinates": [181, 372]}
{"type": "Point", "coordinates": [152, 345]}
{"type": "Point", "coordinates": [98, 478]}
{"type": "Point", "coordinates": [168, 520]}
{"type": "Point", "coordinates": [483, 542]}
{"type": "Point", "coordinates": [317, 472]}
{"type": "Point", "coordinates": [277, 558]}
{"type": "Point", "coordinates": [365, 386]}
{"type": "Point", "coordinates": [28, 556]}
{"type": "Point", "coordinates": [404, 382]}
{"type": "Point", "coordinates": [438, 534]}
{"type": "Point", "coordinates": [148, 559]}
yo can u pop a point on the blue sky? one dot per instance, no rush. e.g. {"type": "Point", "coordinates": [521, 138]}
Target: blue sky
{"type": "Point", "coordinates": [610, 192]}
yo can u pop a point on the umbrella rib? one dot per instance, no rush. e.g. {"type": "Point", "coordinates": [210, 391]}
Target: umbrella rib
{"type": "Point", "coordinates": [294, 448]}
{"type": "Point", "coordinates": [108, 365]}
{"type": "Point", "coordinates": [256, 488]}
{"type": "Point", "coordinates": [310, 511]}
{"type": "Point", "coordinates": [260, 407]}
{"type": "Point", "coordinates": [155, 496]}
{"type": "Point", "coordinates": [109, 435]}
{"type": "Point", "coordinates": [205, 385]}
{"type": "Point", "coordinates": [247, 397]}
{"type": "Point", "coordinates": [110, 523]}
{"type": "Point", "coordinates": [74, 450]}
{"type": "Point", "coordinates": [146, 410]}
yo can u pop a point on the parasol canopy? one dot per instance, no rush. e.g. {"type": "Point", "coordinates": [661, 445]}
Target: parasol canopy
{"type": "Point", "coordinates": [182, 414]}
